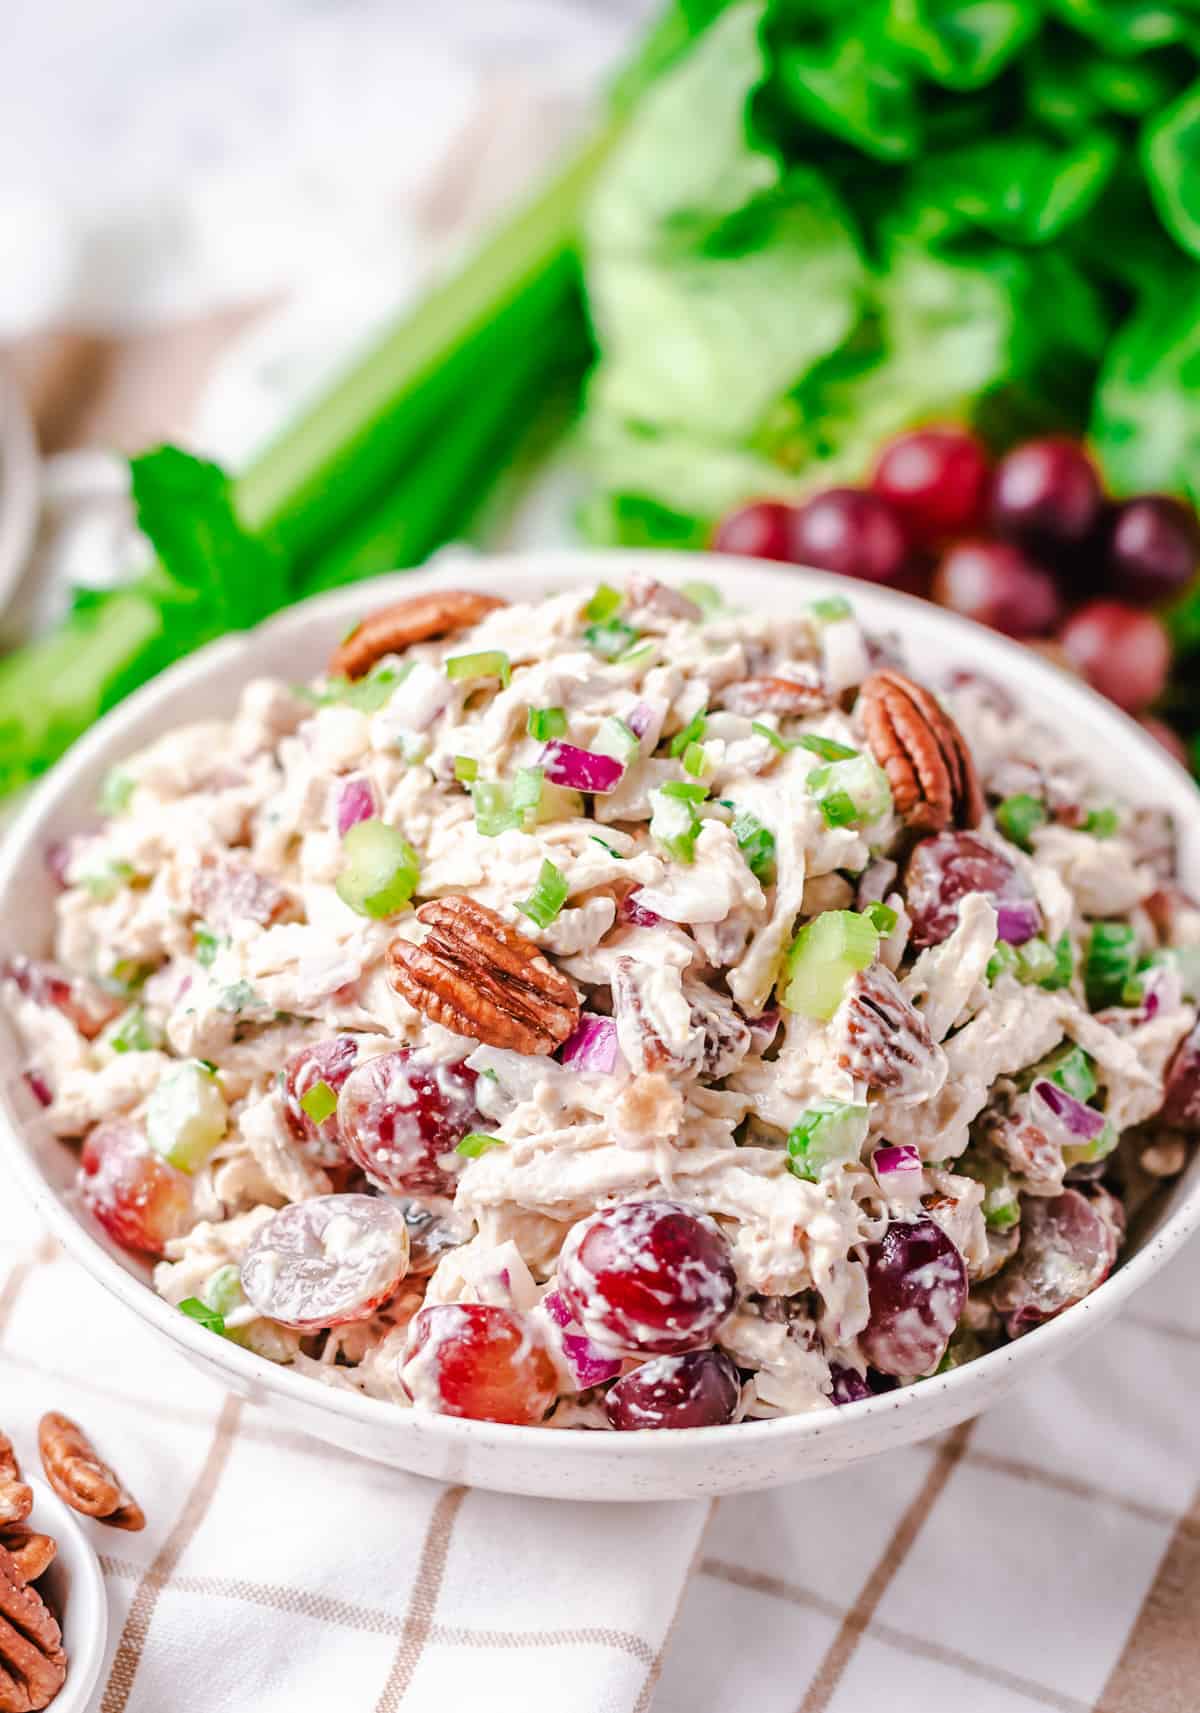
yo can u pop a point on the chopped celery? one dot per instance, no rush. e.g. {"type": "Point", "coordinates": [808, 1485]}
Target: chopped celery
{"type": "Point", "coordinates": [1001, 1205]}
{"type": "Point", "coordinates": [611, 638]}
{"type": "Point", "coordinates": [675, 823]}
{"type": "Point", "coordinates": [826, 748]}
{"type": "Point", "coordinates": [493, 807]}
{"type": "Point", "coordinates": [695, 760]}
{"type": "Point", "coordinates": [1003, 961]}
{"type": "Point", "coordinates": [380, 870]}
{"type": "Point", "coordinates": [1037, 961]}
{"type": "Point", "coordinates": [756, 843]}
{"type": "Point", "coordinates": [1019, 817]}
{"type": "Point", "coordinates": [132, 1033]}
{"type": "Point", "coordinates": [476, 1143]}
{"type": "Point", "coordinates": [684, 790]}
{"type": "Point", "coordinates": [115, 792]}
{"type": "Point", "coordinates": [1102, 823]}
{"type": "Point", "coordinates": [604, 604]}
{"type": "Point", "coordinates": [104, 883]}
{"type": "Point", "coordinates": [490, 663]}
{"type": "Point", "coordinates": [851, 793]}
{"type": "Point", "coordinates": [186, 1115]}
{"type": "Point", "coordinates": [830, 609]}
{"type": "Point", "coordinates": [693, 732]}
{"type": "Point", "coordinates": [831, 1132]}
{"type": "Point", "coordinates": [223, 1290]}
{"type": "Point", "coordinates": [616, 739]}
{"type": "Point", "coordinates": [319, 1102]}
{"type": "Point", "coordinates": [546, 723]}
{"type": "Point", "coordinates": [1069, 1068]}
{"type": "Point", "coordinates": [527, 795]}
{"type": "Point", "coordinates": [205, 945]}
{"type": "Point", "coordinates": [1064, 965]}
{"type": "Point", "coordinates": [203, 1315]}
{"type": "Point", "coordinates": [882, 916]}
{"type": "Point", "coordinates": [1111, 961]}
{"type": "Point", "coordinates": [466, 769]}
{"type": "Point", "coordinates": [547, 897]}
{"type": "Point", "coordinates": [706, 596]}
{"type": "Point", "coordinates": [824, 955]}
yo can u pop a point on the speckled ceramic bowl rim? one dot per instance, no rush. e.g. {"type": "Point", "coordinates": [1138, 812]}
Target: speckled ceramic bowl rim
{"type": "Point", "coordinates": [1160, 780]}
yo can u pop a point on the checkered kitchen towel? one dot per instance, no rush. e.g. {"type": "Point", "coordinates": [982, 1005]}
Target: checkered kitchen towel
{"type": "Point", "coordinates": [1045, 1556]}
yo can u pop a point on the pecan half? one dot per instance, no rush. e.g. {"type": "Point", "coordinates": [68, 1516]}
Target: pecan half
{"type": "Point", "coordinates": [16, 1498]}
{"type": "Point", "coordinates": [649, 598]}
{"type": "Point", "coordinates": [925, 756]}
{"type": "Point", "coordinates": [479, 977]}
{"type": "Point", "coordinates": [33, 1667]}
{"type": "Point", "coordinates": [31, 1553]}
{"type": "Point", "coordinates": [753, 696]}
{"type": "Point", "coordinates": [880, 1037]}
{"type": "Point", "coordinates": [79, 1477]}
{"type": "Point", "coordinates": [418, 618]}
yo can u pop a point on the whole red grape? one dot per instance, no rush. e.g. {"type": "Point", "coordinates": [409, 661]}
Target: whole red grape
{"type": "Point", "coordinates": [1153, 549]}
{"type": "Point", "coordinates": [853, 532]}
{"type": "Point", "coordinates": [1046, 494]}
{"type": "Point", "coordinates": [140, 1200]}
{"type": "Point", "coordinates": [934, 479]}
{"type": "Point", "coordinates": [996, 584]}
{"type": "Point", "coordinates": [760, 530]}
{"type": "Point", "coordinates": [699, 1389]}
{"type": "Point", "coordinates": [478, 1360]}
{"type": "Point", "coordinates": [1121, 652]}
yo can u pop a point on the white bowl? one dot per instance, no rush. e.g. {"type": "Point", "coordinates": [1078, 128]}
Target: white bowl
{"type": "Point", "coordinates": [74, 1588]}
{"type": "Point", "coordinates": [532, 1460]}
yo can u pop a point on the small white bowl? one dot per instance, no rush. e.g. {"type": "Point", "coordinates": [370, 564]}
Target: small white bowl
{"type": "Point", "coordinates": [532, 1460]}
{"type": "Point", "coordinates": [74, 1588]}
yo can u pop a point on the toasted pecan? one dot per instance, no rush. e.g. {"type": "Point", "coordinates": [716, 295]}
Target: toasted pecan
{"type": "Point", "coordinates": [33, 1666]}
{"type": "Point", "coordinates": [16, 1497]}
{"type": "Point", "coordinates": [417, 618]}
{"type": "Point", "coordinates": [753, 696]}
{"type": "Point", "coordinates": [475, 975]}
{"type": "Point", "coordinates": [880, 1037]}
{"type": "Point", "coordinates": [81, 1478]}
{"type": "Point", "coordinates": [925, 756]}
{"type": "Point", "coordinates": [32, 1553]}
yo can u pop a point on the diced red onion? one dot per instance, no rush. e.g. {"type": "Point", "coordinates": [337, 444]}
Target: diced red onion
{"type": "Point", "coordinates": [356, 802]}
{"type": "Point", "coordinates": [38, 1087]}
{"type": "Point", "coordinates": [589, 1365]}
{"type": "Point", "coordinates": [1082, 1121]}
{"type": "Point", "coordinates": [1162, 991]}
{"type": "Point", "coordinates": [1017, 923]}
{"type": "Point", "coordinates": [898, 1169]}
{"type": "Point", "coordinates": [593, 1046]}
{"type": "Point", "coordinates": [640, 719]}
{"type": "Point", "coordinates": [580, 769]}
{"type": "Point", "coordinates": [632, 911]}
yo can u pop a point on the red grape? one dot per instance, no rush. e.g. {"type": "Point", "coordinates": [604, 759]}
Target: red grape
{"type": "Point", "coordinates": [648, 1275]}
{"type": "Point", "coordinates": [140, 1200]}
{"type": "Point", "coordinates": [760, 530]}
{"type": "Point", "coordinates": [917, 1283]}
{"type": "Point", "coordinates": [1046, 493]}
{"type": "Point", "coordinates": [1123, 653]}
{"type": "Point", "coordinates": [401, 1118]}
{"type": "Point", "coordinates": [1153, 549]}
{"type": "Point", "coordinates": [853, 532]}
{"type": "Point", "coordinates": [1068, 1245]}
{"type": "Point", "coordinates": [329, 1062]}
{"type": "Point", "coordinates": [700, 1389]}
{"type": "Point", "coordinates": [1181, 1106]}
{"type": "Point", "coordinates": [849, 1386]}
{"type": "Point", "coordinates": [995, 584]}
{"type": "Point", "coordinates": [934, 479]}
{"type": "Point", "coordinates": [943, 869]}
{"type": "Point", "coordinates": [478, 1360]}
{"type": "Point", "coordinates": [327, 1261]}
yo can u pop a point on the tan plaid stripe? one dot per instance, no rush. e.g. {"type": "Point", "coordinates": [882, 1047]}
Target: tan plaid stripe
{"type": "Point", "coordinates": [427, 1585]}
{"type": "Point", "coordinates": [829, 1673]}
{"type": "Point", "coordinates": [14, 1284]}
{"type": "Point", "coordinates": [1159, 1667]}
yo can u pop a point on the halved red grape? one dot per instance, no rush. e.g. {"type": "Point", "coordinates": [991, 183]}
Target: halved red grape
{"type": "Point", "coordinates": [326, 1063]}
{"type": "Point", "coordinates": [88, 1006]}
{"type": "Point", "coordinates": [1046, 493]}
{"type": "Point", "coordinates": [943, 869]}
{"type": "Point", "coordinates": [934, 479]}
{"type": "Point", "coordinates": [140, 1200]}
{"type": "Point", "coordinates": [850, 531]}
{"type": "Point", "coordinates": [760, 530]}
{"type": "Point", "coordinates": [478, 1360]}
{"type": "Point", "coordinates": [849, 1386]}
{"type": "Point", "coordinates": [700, 1389]}
{"type": "Point", "coordinates": [1153, 549]}
{"type": "Point", "coordinates": [1123, 653]}
{"type": "Point", "coordinates": [996, 584]}
{"type": "Point", "coordinates": [1068, 1245]}
{"type": "Point", "coordinates": [917, 1283]}
{"type": "Point", "coordinates": [327, 1261]}
{"type": "Point", "coordinates": [401, 1118]}
{"type": "Point", "coordinates": [648, 1275]}
{"type": "Point", "coordinates": [1181, 1104]}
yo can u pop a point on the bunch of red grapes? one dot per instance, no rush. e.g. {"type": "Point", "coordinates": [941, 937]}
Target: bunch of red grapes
{"type": "Point", "coordinates": [1030, 545]}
